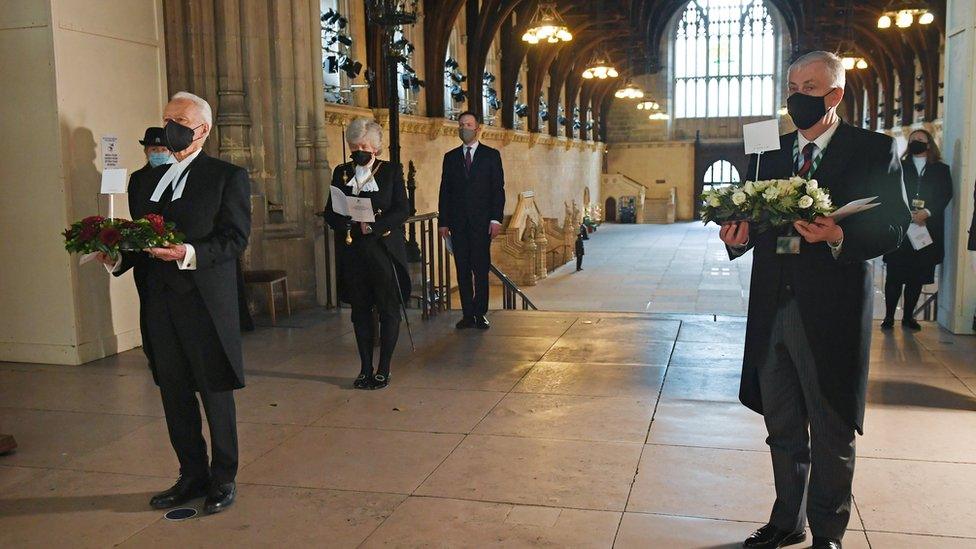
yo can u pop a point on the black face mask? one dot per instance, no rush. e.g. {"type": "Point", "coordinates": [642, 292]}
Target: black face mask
{"type": "Point", "coordinates": [361, 158]}
{"type": "Point", "coordinates": [178, 137]}
{"type": "Point", "coordinates": [917, 147]}
{"type": "Point", "coordinates": [806, 110]}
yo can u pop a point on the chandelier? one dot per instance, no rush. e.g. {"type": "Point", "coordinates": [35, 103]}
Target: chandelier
{"type": "Point", "coordinates": [600, 67]}
{"type": "Point", "coordinates": [852, 62]}
{"type": "Point", "coordinates": [904, 13]}
{"type": "Point", "coordinates": [548, 26]}
{"type": "Point", "coordinates": [629, 91]}
{"type": "Point", "coordinates": [648, 106]}
{"type": "Point", "coordinates": [658, 116]}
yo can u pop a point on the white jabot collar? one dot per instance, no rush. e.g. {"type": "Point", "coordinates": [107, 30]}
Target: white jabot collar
{"type": "Point", "coordinates": [362, 180]}
{"type": "Point", "coordinates": [173, 176]}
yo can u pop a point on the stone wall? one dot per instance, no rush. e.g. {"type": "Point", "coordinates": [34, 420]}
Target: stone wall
{"type": "Point", "coordinates": [659, 166]}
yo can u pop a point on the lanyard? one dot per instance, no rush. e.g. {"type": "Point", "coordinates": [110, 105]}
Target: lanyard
{"type": "Point", "coordinates": [796, 158]}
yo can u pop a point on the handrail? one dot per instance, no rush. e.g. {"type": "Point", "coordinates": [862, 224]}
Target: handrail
{"type": "Point", "coordinates": [631, 179]}
{"type": "Point", "coordinates": [510, 291]}
{"type": "Point", "coordinates": [930, 307]}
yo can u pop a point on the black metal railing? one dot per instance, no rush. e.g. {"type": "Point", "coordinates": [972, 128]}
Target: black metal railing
{"type": "Point", "coordinates": [433, 294]}
{"type": "Point", "coordinates": [511, 293]}
{"type": "Point", "coordinates": [929, 308]}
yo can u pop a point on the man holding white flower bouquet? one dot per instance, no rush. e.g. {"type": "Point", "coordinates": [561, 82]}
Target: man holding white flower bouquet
{"type": "Point", "coordinates": [807, 348]}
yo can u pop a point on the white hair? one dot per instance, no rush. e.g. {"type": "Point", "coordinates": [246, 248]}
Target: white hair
{"type": "Point", "coordinates": [205, 111]}
{"type": "Point", "coordinates": [833, 63]}
{"type": "Point", "coordinates": [364, 130]}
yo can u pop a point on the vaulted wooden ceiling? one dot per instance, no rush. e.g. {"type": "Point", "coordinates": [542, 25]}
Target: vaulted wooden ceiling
{"type": "Point", "coordinates": [635, 34]}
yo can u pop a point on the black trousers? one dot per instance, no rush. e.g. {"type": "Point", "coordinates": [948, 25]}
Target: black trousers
{"type": "Point", "coordinates": [181, 333]}
{"type": "Point", "coordinates": [371, 282]}
{"type": "Point", "coordinates": [472, 259]}
{"type": "Point", "coordinates": [812, 447]}
{"type": "Point", "coordinates": [913, 291]}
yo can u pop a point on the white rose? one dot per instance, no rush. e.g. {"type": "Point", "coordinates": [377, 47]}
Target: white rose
{"type": "Point", "coordinates": [797, 182]}
{"type": "Point", "coordinates": [812, 184]}
{"type": "Point", "coordinates": [771, 193]}
{"type": "Point", "coordinates": [805, 202]}
{"type": "Point", "coordinates": [714, 202]}
{"type": "Point", "coordinates": [749, 188]}
{"type": "Point", "coordinates": [739, 198]}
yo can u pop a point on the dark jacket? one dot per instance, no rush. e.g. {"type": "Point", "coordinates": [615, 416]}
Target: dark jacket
{"type": "Point", "coordinates": [214, 214]}
{"type": "Point", "coordinates": [935, 188]}
{"type": "Point", "coordinates": [391, 209]}
{"type": "Point", "coordinates": [472, 199]}
{"type": "Point", "coordinates": [835, 296]}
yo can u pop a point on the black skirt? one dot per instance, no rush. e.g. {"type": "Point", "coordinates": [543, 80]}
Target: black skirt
{"type": "Point", "coordinates": [368, 276]}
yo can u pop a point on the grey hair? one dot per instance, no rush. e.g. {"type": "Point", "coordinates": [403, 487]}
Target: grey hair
{"type": "Point", "coordinates": [364, 130]}
{"type": "Point", "coordinates": [835, 67]}
{"type": "Point", "coordinates": [205, 111]}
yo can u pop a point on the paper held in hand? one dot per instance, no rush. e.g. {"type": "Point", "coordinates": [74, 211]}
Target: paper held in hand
{"type": "Point", "coordinates": [853, 207]}
{"type": "Point", "coordinates": [360, 209]}
{"type": "Point", "coordinates": [918, 235]}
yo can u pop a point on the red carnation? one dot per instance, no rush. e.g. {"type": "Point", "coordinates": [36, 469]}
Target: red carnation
{"type": "Point", "coordinates": [87, 232]}
{"type": "Point", "coordinates": [92, 220]}
{"type": "Point", "coordinates": [110, 236]}
{"type": "Point", "coordinates": [157, 223]}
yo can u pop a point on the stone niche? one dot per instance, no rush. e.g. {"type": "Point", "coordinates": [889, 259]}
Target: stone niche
{"type": "Point", "coordinates": [530, 245]}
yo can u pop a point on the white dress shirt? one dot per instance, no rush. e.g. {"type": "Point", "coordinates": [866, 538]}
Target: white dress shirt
{"type": "Point", "coordinates": [920, 163]}
{"type": "Point", "coordinates": [820, 142]}
{"type": "Point", "coordinates": [474, 148]}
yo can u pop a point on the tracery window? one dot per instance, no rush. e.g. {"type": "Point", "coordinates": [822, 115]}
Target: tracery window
{"type": "Point", "coordinates": [720, 174]}
{"type": "Point", "coordinates": [725, 60]}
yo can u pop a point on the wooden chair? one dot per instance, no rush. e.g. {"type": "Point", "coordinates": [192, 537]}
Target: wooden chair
{"type": "Point", "coordinates": [270, 278]}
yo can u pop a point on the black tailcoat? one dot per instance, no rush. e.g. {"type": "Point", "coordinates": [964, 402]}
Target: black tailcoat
{"type": "Point", "coordinates": [835, 296]}
{"type": "Point", "coordinates": [935, 188]}
{"type": "Point", "coordinates": [214, 214]}
{"type": "Point", "coordinates": [391, 209]}
{"type": "Point", "coordinates": [475, 197]}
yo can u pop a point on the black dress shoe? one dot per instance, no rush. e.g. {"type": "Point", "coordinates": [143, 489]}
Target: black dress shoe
{"type": "Point", "coordinates": [465, 323]}
{"type": "Point", "coordinates": [481, 322]}
{"type": "Point", "coordinates": [184, 490]}
{"type": "Point", "coordinates": [770, 537]}
{"type": "Point", "coordinates": [363, 381]}
{"type": "Point", "coordinates": [911, 324]}
{"type": "Point", "coordinates": [825, 543]}
{"type": "Point", "coordinates": [220, 497]}
{"type": "Point", "coordinates": [380, 381]}
{"type": "Point", "coordinates": [887, 324]}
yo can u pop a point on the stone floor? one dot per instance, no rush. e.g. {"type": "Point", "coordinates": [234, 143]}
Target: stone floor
{"type": "Point", "coordinates": [551, 429]}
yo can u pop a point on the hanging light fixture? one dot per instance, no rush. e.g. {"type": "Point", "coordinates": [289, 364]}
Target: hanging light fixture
{"type": "Point", "coordinates": [600, 67]}
{"type": "Point", "coordinates": [648, 106]}
{"type": "Point", "coordinates": [547, 26]}
{"type": "Point", "coordinates": [629, 91]}
{"type": "Point", "coordinates": [659, 116]}
{"type": "Point", "coordinates": [904, 13]}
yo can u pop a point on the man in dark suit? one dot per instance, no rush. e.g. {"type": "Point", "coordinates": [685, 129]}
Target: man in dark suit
{"type": "Point", "coordinates": [189, 302]}
{"type": "Point", "coordinates": [808, 336]}
{"type": "Point", "coordinates": [472, 205]}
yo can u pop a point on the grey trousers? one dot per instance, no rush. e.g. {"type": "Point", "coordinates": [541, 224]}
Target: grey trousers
{"type": "Point", "coordinates": [812, 447]}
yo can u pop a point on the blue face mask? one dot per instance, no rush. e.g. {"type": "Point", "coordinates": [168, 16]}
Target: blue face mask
{"type": "Point", "coordinates": [160, 158]}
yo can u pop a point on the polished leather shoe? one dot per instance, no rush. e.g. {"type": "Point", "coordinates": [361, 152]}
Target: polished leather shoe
{"type": "Point", "coordinates": [380, 381]}
{"type": "Point", "coordinates": [184, 490]}
{"type": "Point", "coordinates": [825, 543]}
{"type": "Point", "coordinates": [770, 537]}
{"type": "Point", "coordinates": [363, 381]}
{"type": "Point", "coordinates": [481, 322]}
{"type": "Point", "coordinates": [220, 497]}
{"type": "Point", "coordinates": [887, 324]}
{"type": "Point", "coordinates": [911, 324]}
{"type": "Point", "coordinates": [465, 323]}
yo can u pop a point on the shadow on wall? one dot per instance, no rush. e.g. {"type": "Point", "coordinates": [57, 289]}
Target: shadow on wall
{"type": "Point", "coordinates": [93, 316]}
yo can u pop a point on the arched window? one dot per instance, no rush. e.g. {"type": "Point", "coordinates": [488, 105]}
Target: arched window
{"type": "Point", "coordinates": [725, 55]}
{"type": "Point", "coordinates": [720, 174]}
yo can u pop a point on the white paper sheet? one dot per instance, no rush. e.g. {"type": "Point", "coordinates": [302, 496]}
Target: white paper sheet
{"type": "Point", "coordinates": [360, 209]}
{"type": "Point", "coordinates": [86, 258]}
{"type": "Point", "coordinates": [110, 152]}
{"type": "Point", "coordinates": [761, 136]}
{"type": "Point", "coordinates": [854, 206]}
{"type": "Point", "coordinates": [918, 235]}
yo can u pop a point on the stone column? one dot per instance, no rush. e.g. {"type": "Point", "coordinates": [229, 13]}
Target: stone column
{"type": "Point", "coordinates": [957, 290]}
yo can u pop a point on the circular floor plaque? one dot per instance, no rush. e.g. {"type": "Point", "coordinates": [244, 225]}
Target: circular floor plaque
{"type": "Point", "coordinates": [182, 513]}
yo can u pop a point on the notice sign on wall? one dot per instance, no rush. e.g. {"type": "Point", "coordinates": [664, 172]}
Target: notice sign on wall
{"type": "Point", "coordinates": [110, 152]}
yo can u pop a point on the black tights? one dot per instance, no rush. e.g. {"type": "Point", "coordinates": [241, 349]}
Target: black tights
{"type": "Point", "coordinates": [893, 292]}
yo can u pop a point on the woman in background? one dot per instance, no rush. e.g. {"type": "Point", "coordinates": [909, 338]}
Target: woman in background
{"type": "Point", "coordinates": [371, 258]}
{"type": "Point", "coordinates": [929, 189]}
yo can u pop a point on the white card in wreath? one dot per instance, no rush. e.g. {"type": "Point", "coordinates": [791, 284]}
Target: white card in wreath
{"type": "Point", "coordinates": [919, 236]}
{"type": "Point", "coordinates": [760, 137]}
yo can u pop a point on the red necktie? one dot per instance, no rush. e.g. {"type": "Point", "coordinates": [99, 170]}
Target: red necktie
{"type": "Point", "coordinates": [807, 160]}
{"type": "Point", "coordinates": [467, 159]}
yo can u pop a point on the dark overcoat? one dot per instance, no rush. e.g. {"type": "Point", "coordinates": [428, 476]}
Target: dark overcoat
{"type": "Point", "coordinates": [935, 188]}
{"type": "Point", "coordinates": [391, 208]}
{"type": "Point", "coordinates": [835, 296]}
{"type": "Point", "coordinates": [214, 214]}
